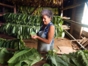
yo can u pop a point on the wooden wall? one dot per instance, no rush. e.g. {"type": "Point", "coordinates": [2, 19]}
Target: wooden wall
{"type": "Point", "coordinates": [75, 12]}
{"type": "Point", "coordinates": [77, 16]}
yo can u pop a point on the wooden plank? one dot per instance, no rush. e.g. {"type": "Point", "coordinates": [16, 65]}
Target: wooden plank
{"type": "Point", "coordinates": [80, 24]}
{"type": "Point", "coordinates": [15, 9]}
{"type": "Point", "coordinates": [65, 17]}
{"type": "Point", "coordinates": [64, 50]}
{"type": "Point", "coordinates": [74, 39]}
{"type": "Point", "coordinates": [77, 40]}
{"type": "Point", "coordinates": [2, 4]}
{"type": "Point", "coordinates": [86, 43]}
{"type": "Point", "coordinates": [84, 33]}
{"type": "Point", "coordinates": [65, 27]}
{"type": "Point", "coordinates": [84, 40]}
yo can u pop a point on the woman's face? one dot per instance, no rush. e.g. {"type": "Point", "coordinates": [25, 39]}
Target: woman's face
{"type": "Point", "coordinates": [46, 19]}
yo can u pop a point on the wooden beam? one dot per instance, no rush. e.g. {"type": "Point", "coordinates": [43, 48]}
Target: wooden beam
{"type": "Point", "coordinates": [71, 21]}
{"type": "Point", "coordinates": [82, 47]}
{"type": "Point", "coordinates": [65, 27]}
{"type": "Point", "coordinates": [84, 33]}
{"type": "Point", "coordinates": [2, 4]}
{"type": "Point", "coordinates": [65, 17]}
{"type": "Point", "coordinates": [73, 6]}
{"type": "Point", "coordinates": [73, 18]}
{"type": "Point", "coordinates": [15, 9]}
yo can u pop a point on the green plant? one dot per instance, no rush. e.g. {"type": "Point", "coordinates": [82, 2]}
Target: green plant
{"type": "Point", "coordinates": [16, 44]}
{"type": "Point", "coordinates": [79, 58]}
{"type": "Point", "coordinates": [26, 57]}
{"type": "Point", "coordinates": [19, 31]}
{"type": "Point", "coordinates": [22, 25]}
{"type": "Point", "coordinates": [5, 55]}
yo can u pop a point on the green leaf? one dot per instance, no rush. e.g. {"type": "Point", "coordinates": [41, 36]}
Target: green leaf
{"type": "Point", "coordinates": [4, 55]}
{"type": "Point", "coordinates": [25, 56]}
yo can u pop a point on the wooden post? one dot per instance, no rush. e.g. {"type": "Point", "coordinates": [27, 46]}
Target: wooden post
{"type": "Point", "coordinates": [61, 9]}
{"type": "Point", "coordinates": [5, 5]}
{"type": "Point", "coordinates": [75, 28]}
{"type": "Point", "coordinates": [73, 15]}
{"type": "Point", "coordinates": [15, 9]}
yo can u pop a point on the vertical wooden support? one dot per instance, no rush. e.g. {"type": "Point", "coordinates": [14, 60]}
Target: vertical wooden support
{"type": "Point", "coordinates": [81, 30]}
{"type": "Point", "coordinates": [76, 16]}
{"type": "Point", "coordinates": [15, 9]}
{"type": "Point", "coordinates": [73, 18]}
{"type": "Point", "coordinates": [80, 33]}
{"type": "Point", "coordinates": [62, 9]}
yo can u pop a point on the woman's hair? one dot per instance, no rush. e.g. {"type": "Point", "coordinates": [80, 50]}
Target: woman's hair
{"type": "Point", "coordinates": [47, 12]}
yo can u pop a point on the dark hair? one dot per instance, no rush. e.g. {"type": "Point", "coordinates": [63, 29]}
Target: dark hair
{"type": "Point", "coordinates": [47, 12]}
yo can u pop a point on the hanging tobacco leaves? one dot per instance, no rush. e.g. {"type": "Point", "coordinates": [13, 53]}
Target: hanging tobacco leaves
{"type": "Point", "coordinates": [16, 44]}
{"type": "Point", "coordinates": [22, 25]}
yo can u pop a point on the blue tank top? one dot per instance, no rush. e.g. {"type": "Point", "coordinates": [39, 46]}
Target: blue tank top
{"type": "Point", "coordinates": [43, 32]}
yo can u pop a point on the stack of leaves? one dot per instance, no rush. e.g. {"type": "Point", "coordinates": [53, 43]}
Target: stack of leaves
{"type": "Point", "coordinates": [26, 57]}
{"type": "Point", "coordinates": [34, 3]}
{"type": "Point", "coordinates": [57, 21]}
{"type": "Point", "coordinates": [29, 19]}
{"type": "Point", "coordinates": [16, 30]}
{"type": "Point", "coordinates": [79, 58]}
{"type": "Point", "coordinates": [22, 19]}
{"type": "Point", "coordinates": [16, 44]}
{"type": "Point", "coordinates": [5, 55]}
{"type": "Point", "coordinates": [22, 25]}
{"type": "Point", "coordinates": [31, 10]}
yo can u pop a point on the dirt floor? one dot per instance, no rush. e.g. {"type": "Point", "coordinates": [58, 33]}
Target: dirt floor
{"type": "Point", "coordinates": [62, 45]}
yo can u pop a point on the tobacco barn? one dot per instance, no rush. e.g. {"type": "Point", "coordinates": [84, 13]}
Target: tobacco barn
{"type": "Point", "coordinates": [43, 33]}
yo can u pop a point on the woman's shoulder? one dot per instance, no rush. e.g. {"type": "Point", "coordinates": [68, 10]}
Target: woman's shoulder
{"type": "Point", "coordinates": [51, 23]}
{"type": "Point", "coordinates": [52, 26]}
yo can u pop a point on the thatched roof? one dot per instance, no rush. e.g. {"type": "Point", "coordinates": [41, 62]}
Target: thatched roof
{"type": "Point", "coordinates": [44, 3]}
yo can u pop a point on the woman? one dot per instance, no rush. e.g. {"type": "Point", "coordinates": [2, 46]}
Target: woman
{"type": "Point", "coordinates": [45, 35]}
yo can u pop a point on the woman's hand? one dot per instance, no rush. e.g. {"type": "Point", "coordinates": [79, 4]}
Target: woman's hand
{"type": "Point", "coordinates": [34, 36]}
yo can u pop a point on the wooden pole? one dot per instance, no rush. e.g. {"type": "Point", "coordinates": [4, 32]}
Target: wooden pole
{"type": "Point", "coordinates": [2, 4]}
{"type": "Point", "coordinates": [73, 6]}
{"type": "Point", "coordinates": [71, 21]}
{"type": "Point", "coordinates": [82, 47]}
{"type": "Point", "coordinates": [61, 9]}
{"type": "Point", "coordinates": [15, 9]}
{"type": "Point", "coordinates": [73, 18]}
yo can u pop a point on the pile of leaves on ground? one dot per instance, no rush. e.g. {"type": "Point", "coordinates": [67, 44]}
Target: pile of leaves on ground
{"type": "Point", "coordinates": [79, 58]}
{"type": "Point", "coordinates": [21, 56]}
{"type": "Point", "coordinates": [25, 57]}
{"type": "Point", "coordinates": [30, 56]}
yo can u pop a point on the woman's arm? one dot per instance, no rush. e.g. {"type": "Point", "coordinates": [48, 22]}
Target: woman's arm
{"type": "Point", "coordinates": [50, 35]}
